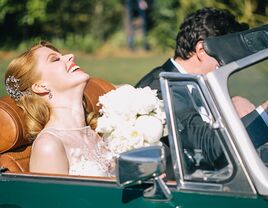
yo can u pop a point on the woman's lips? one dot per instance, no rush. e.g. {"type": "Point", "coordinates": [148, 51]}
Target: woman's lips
{"type": "Point", "coordinates": [73, 67]}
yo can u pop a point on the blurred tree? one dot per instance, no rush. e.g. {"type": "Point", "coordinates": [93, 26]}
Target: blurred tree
{"type": "Point", "coordinates": [254, 12]}
{"type": "Point", "coordinates": [164, 23]}
{"type": "Point", "coordinates": [167, 15]}
{"type": "Point", "coordinates": [22, 20]}
{"type": "Point", "coordinates": [35, 11]}
{"type": "Point", "coordinates": [87, 24]}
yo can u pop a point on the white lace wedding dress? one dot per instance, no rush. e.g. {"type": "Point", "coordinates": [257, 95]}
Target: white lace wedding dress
{"type": "Point", "coordinates": [84, 150]}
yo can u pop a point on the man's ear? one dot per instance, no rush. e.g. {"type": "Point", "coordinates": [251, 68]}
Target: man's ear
{"type": "Point", "coordinates": [39, 88]}
{"type": "Point", "coordinates": [199, 50]}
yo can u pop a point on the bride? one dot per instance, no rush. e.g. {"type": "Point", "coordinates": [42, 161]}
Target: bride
{"type": "Point", "coordinates": [49, 87]}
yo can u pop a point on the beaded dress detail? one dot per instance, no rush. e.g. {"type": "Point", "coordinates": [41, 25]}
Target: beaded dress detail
{"type": "Point", "coordinates": [85, 151]}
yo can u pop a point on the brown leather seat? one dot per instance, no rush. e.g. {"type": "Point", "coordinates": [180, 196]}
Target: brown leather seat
{"type": "Point", "coordinates": [15, 146]}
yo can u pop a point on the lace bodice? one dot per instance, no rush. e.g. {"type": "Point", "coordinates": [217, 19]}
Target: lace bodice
{"type": "Point", "coordinates": [84, 149]}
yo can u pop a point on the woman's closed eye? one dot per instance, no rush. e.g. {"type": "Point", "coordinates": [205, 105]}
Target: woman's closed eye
{"type": "Point", "coordinates": [53, 57]}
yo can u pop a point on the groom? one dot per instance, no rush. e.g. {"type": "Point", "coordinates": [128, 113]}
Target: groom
{"type": "Point", "coordinates": [190, 57]}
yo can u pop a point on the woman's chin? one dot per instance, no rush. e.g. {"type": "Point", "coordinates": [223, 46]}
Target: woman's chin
{"type": "Point", "coordinates": [80, 83]}
{"type": "Point", "coordinates": [83, 78]}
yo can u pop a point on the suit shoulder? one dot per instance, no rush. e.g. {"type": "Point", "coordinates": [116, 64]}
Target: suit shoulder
{"type": "Point", "coordinates": [150, 77]}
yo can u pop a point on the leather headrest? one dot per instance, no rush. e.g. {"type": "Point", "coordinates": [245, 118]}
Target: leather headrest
{"type": "Point", "coordinates": [234, 46]}
{"type": "Point", "coordinates": [13, 130]}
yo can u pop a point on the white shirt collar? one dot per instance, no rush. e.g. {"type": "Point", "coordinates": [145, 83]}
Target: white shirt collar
{"type": "Point", "coordinates": [178, 66]}
{"type": "Point", "coordinates": [263, 114]}
{"type": "Point", "coordinates": [203, 113]}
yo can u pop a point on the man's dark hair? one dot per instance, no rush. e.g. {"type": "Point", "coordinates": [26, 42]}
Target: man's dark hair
{"type": "Point", "coordinates": [203, 23]}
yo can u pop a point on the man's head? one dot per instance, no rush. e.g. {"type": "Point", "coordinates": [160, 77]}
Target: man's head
{"type": "Point", "coordinates": [203, 23]}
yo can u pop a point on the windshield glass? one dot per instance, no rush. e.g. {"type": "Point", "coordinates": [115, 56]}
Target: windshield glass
{"type": "Point", "coordinates": [200, 143]}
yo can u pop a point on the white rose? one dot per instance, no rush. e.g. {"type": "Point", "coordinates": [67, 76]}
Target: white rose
{"type": "Point", "coordinates": [131, 118]}
{"type": "Point", "coordinates": [150, 127]}
{"type": "Point", "coordinates": [117, 146]}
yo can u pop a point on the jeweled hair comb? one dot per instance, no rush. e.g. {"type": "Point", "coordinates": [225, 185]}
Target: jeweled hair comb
{"type": "Point", "coordinates": [12, 87]}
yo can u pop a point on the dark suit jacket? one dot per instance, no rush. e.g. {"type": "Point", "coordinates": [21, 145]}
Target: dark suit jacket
{"type": "Point", "coordinates": [196, 134]}
{"type": "Point", "coordinates": [152, 78]}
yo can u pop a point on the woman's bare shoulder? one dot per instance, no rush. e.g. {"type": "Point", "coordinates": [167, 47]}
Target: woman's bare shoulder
{"type": "Point", "coordinates": [47, 143]}
{"type": "Point", "coordinates": [48, 155]}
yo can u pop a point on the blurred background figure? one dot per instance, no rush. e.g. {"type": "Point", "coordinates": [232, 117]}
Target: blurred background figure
{"type": "Point", "coordinates": [137, 20]}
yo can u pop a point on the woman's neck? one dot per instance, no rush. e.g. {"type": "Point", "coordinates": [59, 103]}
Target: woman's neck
{"type": "Point", "coordinates": [66, 117]}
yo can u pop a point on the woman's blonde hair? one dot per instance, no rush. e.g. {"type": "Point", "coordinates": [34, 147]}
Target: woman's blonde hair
{"type": "Point", "coordinates": [19, 78]}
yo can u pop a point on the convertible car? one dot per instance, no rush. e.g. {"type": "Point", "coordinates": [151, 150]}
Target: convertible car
{"type": "Point", "coordinates": [140, 174]}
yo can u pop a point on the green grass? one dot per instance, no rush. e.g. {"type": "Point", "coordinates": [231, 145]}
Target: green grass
{"type": "Point", "coordinates": [119, 70]}
{"type": "Point", "coordinates": [251, 83]}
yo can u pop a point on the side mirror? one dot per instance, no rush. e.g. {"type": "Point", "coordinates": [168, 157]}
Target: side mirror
{"type": "Point", "coordinates": [139, 165]}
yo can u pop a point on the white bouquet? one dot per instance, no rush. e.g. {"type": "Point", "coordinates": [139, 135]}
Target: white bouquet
{"type": "Point", "coordinates": [131, 118]}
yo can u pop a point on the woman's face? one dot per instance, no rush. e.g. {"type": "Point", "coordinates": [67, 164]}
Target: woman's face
{"type": "Point", "coordinates": [59, 72]}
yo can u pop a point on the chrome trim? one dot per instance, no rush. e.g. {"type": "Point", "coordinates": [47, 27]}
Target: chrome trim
{"type": "Point", "coordinates": [173, 144]}
{"type": "Point", "coordinates": [158, 192]}
{"type": "Point", "coordinates": [59, 179]}
{"type": "Point", "coordinates": [199, 186]}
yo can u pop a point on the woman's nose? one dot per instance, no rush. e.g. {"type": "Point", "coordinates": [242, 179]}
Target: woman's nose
{"type": "Point", "coordinates": [68, 57]}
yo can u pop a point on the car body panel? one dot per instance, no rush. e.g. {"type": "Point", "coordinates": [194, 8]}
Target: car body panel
{"type": "Point", "coordinates": [21, 192]}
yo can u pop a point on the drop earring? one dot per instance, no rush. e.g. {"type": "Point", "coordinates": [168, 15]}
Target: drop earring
{"type": "Point", "coordinates": [49, 93]}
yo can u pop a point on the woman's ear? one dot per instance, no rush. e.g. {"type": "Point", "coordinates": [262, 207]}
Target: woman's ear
{"type": "Point", "coordinates": [200, 51]}
{"type": "Point", "coordinates": [39, 88]}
